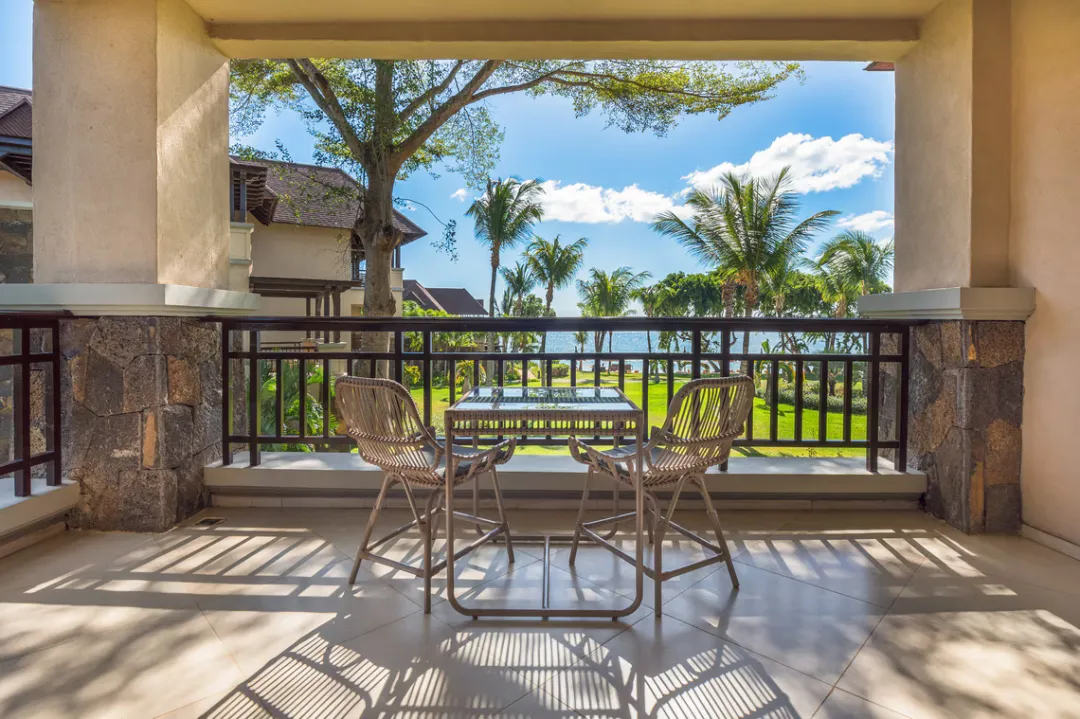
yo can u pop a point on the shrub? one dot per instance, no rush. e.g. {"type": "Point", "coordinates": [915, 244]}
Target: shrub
{"type": "Point", "coordinates": [511, 374]}
{"type": "Point", "coordinates": [560, 369]}
{"type": "Point", "coordinates": [411, 375]}
{"type": "Point", "coordinates": [812, 400]}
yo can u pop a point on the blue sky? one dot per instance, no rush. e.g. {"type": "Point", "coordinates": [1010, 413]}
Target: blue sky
{"type": "Point", "coordinates": [836, 129]}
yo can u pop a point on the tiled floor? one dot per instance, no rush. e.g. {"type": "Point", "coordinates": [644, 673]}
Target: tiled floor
{"type": "Point", "coordinates": [840, 614]}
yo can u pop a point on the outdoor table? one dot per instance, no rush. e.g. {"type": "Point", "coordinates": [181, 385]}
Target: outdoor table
{"type": "Point", "coordinates": [549, 412]}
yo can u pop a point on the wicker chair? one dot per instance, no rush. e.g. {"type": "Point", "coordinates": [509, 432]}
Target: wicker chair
{"type": "Point", "coordinates": [704, 418]}
{"type": "Point", "coordinates": [382, 418]}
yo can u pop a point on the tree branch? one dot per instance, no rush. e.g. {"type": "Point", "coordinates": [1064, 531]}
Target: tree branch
{"type": "Point", "coordinates": [430, 94]}
{"type": "Point", "coordinates": [318, 87]}
{"type": "Point", "coordinates": [444, 112]}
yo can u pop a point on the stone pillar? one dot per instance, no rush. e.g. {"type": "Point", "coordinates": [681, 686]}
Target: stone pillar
{"type": "Point", "coordinates": [141, 404]}
{"type": "Point", "coordinates": [967, 391]}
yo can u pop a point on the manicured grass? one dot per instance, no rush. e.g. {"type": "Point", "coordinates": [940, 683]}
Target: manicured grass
{"type": "Point", "coordinates": [658, 402]}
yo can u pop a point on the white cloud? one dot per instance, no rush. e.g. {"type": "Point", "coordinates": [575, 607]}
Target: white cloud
{"type": "Point", "coordinates": [817, 164]}
{"type": "Point", "coordinates": [871, 222]}
{"type": "Point", "coordinates": [460, 194]}
{"type": "Point", "coordinates": [593, 205]}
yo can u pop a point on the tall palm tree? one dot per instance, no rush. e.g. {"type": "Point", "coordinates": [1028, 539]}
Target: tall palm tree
{"type": "Point", "coordinates": [606, 294]}
{"type": "Point", "coordinates": [748, 225]}
{"type": "Point", "coordinates": [503, 217]}
{"type": "Point", "coordinates": [554, 266]}
{"type": "Point", "coordinates": [520, 281]}
{"type": "Point", "coordinates": [860, 260]}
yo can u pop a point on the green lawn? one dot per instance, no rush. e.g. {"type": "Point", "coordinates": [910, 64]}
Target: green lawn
{"type": "Point", "coordinates": [658, 402]}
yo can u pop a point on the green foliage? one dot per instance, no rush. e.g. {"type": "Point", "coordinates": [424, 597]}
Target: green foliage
{"type": "Point", "coordinates": [560, 370]}
{"type": "Point", "coordinates": [291, 388]}
{"type": "Point", "coordinates": [412, 376]}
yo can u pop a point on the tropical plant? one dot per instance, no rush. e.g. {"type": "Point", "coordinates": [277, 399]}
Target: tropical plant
{"type": "Point", "coordinates": [859, 260]}
{"type": "Point", "coordinates": [291, 387]}
{"type": "Point", "coordinates": [554, 266]}
{"type": "Point", "coordinates": [748, 226]}
{"type": "Point", "coordinates": [503, 217]}
{"type": "Point", "coordinates": [606, 294]}
{"type": "Point", "coordinates": [519, 281]}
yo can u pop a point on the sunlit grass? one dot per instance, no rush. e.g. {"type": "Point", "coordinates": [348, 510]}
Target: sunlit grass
{"type": "Point", "coordinates": [658, 403]}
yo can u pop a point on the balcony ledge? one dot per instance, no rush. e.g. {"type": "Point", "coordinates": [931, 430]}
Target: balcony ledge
{"type": "Point", "coordinates": [20, 516]}
{"type": "Point", "coordinates": [338, 479]}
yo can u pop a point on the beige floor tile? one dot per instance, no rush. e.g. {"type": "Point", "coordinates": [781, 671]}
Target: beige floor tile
{"type": "Point", "coordinates": [666, 668]}
{"type": "Point", "coordinates": [1005, 556]}
{"type": "Point", "coordinates": [153, 662]}
{"type": "Point", "coordinates": [599, 566]}
{"type": "Point", "coordinates": [814, 630]}
{"type": "Point", "coordinates": [414, 667]}
{"type": "Point", "coordinates": [538, 705]}
{"type": "Point", "coordinates": [66, 555]}
{"type": "Point", "coordinates": [976, 664]}
{"type": "Point", "coordinates": [873, 565]}
{"type": "Point", "coordinates": [841, 705]}
{"type": "Point", "coordinates": [196, 710]}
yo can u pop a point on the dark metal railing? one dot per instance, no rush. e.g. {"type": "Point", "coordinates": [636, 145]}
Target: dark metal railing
{"type": "Point", "coordinates": [30, 400]}
{"type": "Point", "coordinates": [713, 347]}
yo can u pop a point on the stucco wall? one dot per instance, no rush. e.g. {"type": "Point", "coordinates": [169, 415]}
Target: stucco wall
{"type": "Point", "coordinates": [952, 150]}
{"type": "Point", "coordinates": [95, 134]}
{"type": "Point", "coordinates": [933, 153]}
{"type": "Point", "coordinates": [283, 250]}
{"type": "Point", "coordinates": [130, 150]}
{"type": "Point", "coordinates": [1045, 253]}
{"type": "Point", "coordinates": [14, 193]}
{"type": "Point", "coordinates": [193, 137]}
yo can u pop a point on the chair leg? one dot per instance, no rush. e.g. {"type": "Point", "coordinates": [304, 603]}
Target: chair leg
{"type": "Point", "coordinates": [661, 523]}
{"type": "Point", "coordinates": [387, 481]}
{"type": "Point", "coordinates": [502, 513]}
{"type": "Point", "coordinates": [425, 530]}
{"type": "Point", "coordinates": [581, 516]}
{"type": "Point", "coordinates": [714, 518]}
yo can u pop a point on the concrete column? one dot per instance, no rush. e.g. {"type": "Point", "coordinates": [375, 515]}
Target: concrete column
{"type": "Point", "coordinates": [953, 206]}
{"type": "Point", "coordinates": [131, 231]}
{"type": "Point", "coordinates": [130, 145]}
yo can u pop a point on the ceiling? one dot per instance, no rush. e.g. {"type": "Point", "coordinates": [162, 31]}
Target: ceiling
{"type": "Point", "coordinates": [676, 29]}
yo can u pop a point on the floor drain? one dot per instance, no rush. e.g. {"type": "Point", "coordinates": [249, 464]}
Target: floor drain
{"type": "Point", "coordinates": [209, 522]}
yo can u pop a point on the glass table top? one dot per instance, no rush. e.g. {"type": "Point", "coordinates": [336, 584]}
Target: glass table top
{"type": "Point", "coordinates": [543, 398]}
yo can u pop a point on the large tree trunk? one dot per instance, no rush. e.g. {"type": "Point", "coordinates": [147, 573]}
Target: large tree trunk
{"type": "Point", "coordinates": [751, 299]}
{"type": "Point", "coordinates": [547, 311]}
{"type": "Point", "coordinates": [377, 233]}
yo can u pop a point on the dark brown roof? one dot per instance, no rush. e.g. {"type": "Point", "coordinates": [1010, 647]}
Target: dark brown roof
{"type": "Point", "coordinates": [15, 112]}
{"type": "Point", "coordinates": [315, 196]}
{"type": "Point", "coordinates": [452, 300]}
{"type": "Point", "coordinates": [16, 129]}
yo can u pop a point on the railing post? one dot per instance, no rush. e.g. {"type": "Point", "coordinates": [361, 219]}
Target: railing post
{"type": "Point", "coordinates": [426, 347]}
{"type": "Point", "coordinates": [253, 398]}
{"type": "Point", "coordinates": [226, 394]}
{"type": "Point", "coordinates": [902, 401]}
{"type": "Point", "coordinates": [695, 355]}
{"type": "Point", "coordinates": [873, 403]}
{"type": "Point", "coordinates": [21, 396]}
{"type": "Point", "coordinates": [56, 469]}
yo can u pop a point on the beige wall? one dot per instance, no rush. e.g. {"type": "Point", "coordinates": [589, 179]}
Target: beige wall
{"type": "Point", "coordinates": [129, 151]}
{"type": "Point", "coordinates": [1045, 253]}
{"type": "Point", "coordinates": [14, 192]}
{"type": "Point", "coordinates": [952, 150]}
{"type": "Point", "coordinates": [193, 168]}
{"type": "Point", "coordinates": [283, 250]}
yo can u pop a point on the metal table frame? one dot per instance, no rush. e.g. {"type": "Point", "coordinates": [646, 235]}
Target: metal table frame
{"type": "Point", "coordinates": [548, 421]}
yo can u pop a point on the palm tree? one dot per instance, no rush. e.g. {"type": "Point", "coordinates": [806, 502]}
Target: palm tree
{"type": "Point", "coordinates": [860, 260]}
{"type": "Point", "coordinates": [608, 295]}
{"type": "Point", "coordinates": [520, 281]}
{"type": "Point", "coordinates": [503, 217]}
{"type": "Point", "coordinates": [747, 226]}
{"type": "Point", "coordinates": [554, 266]}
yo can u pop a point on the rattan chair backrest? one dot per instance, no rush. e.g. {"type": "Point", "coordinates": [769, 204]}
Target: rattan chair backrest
{"type": "Point", "coordinates": [382, 418]}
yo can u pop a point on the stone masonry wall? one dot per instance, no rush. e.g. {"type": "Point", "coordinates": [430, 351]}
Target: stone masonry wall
{"type": "Point", "coordinates": [16, 246]}
{"type": "Point", "coordinates": [967, 393]}
{"type": "Point", "coordinates": [141, 399]}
